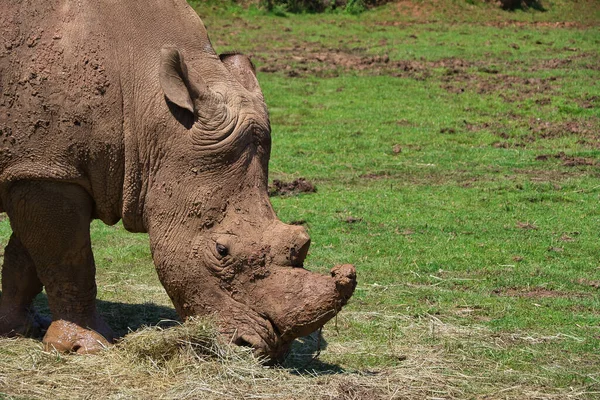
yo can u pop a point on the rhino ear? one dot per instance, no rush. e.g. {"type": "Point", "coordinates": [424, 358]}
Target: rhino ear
{"type": "Point", "coordinates": [242, 69]}
{"type": "Point", "coordinates": [174, 79]}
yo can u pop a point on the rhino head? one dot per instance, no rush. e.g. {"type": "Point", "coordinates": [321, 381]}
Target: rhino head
{"type": "Point", "coordinates": [218, 246]}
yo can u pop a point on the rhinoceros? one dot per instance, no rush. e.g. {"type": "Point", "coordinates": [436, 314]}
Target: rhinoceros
{"type": "Point", "coordinates": [122, 110]}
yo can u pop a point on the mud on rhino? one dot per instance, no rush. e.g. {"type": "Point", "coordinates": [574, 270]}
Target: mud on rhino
{"type": "Point", "coordinates": [123, 111]}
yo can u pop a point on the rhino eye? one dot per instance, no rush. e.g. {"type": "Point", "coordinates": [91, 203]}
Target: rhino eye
{"type": "Point", "coordinates": [222, 250]}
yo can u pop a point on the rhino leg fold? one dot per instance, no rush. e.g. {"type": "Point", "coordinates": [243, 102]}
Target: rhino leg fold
{"type": "Point", "coordinates": [51, 221]}
{"type": "Point", "coordinates": [20, 285]}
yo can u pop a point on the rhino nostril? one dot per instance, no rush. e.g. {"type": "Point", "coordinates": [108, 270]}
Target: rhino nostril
{"type": "Point", "coordinates": [345, 280]}
{"type": "Point", "coordinates": [243, 343]}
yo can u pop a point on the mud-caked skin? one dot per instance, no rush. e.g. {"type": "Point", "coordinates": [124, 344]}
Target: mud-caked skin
{"type": "Point", "coordinates": [121, 110]}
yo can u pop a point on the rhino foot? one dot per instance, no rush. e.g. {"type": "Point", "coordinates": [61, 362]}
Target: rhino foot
{"type": "Point", "coordinates": [66, 336]}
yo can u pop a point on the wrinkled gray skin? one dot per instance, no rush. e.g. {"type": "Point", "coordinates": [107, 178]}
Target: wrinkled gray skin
{"type": "Point", "coordinates": [122, 110]}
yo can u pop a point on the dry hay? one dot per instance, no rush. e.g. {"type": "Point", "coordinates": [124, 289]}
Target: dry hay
{"type": "Point", "coordinates": [188, 362]}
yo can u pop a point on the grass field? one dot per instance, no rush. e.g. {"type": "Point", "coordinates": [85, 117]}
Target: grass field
{"type": "Point", "coordinates": [455, 149]}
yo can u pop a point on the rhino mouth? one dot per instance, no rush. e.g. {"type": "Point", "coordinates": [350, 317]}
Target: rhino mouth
{"type": "Point", "coordinates": [288, 304]}
{"type": "Point", "coordinates": [272, 349]}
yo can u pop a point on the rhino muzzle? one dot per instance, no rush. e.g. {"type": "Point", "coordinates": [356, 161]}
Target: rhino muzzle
{"type": "Point", "coordinates": [296, 302]}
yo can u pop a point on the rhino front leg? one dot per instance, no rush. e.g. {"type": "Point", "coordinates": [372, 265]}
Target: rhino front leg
{"type": "Point", "coordinates": [20, 285]}
{"type": "Point", "coordinates": [52, 222]}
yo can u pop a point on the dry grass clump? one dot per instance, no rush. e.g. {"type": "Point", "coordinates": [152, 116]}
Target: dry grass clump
{"type": "Point", "coordinates": [188, 361]}
{"type": "Point", "coordinates": [193, 341]}
{"type": "Point", "coordinates": [151, 362]}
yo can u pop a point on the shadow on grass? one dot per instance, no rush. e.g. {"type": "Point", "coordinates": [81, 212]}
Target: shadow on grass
{"type": "Point", "coordinates": [123, 317]}
{"type": "Point", "coordinates": [316, 368]}
{"type": "Point", "coordinates": [303, 358]}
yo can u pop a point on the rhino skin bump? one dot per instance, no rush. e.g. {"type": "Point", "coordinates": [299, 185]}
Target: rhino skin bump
{"type": "Point", "coordinates": [122, 110]}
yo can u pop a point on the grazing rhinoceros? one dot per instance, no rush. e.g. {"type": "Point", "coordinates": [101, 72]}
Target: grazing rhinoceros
{"type": "Point", "coordinates": [122, 110]}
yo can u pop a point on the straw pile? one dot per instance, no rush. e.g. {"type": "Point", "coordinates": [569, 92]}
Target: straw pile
{"type": "Point", "coordinates": [189, 362]}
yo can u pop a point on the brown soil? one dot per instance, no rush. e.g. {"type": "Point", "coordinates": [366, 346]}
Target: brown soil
{"type": "Point", "coordinates": [526, 225]}
{"type": "Point", "coordinates": [589, 102]}
{"type": "Point", "coordinates": [509, 81]}
{"type": "Point", "coordinates": [457, 76]}
{"type": "Point", "coordinates": [352, 220]}
{"type": "Point", "coordinates": [507, 145]}
{"type": "Point", "coordinates": [549, 130]}
{"type": "Point", "coordinates": [568, 161]}
{"type": "Point", "coordinates": [484, 77]}
{"type": "Point", "coordinates": [415, 10]}
{"type": "Point", "coordinates": [566, 238]}
{"type": "Point", "coordinates": [312, 59]}
{"type": "Point", "coordinates": [510, 88]}
{"type": "Point", "coordinates": [300, 185]}
{"type": "Point", "coordinates": [376, 175]}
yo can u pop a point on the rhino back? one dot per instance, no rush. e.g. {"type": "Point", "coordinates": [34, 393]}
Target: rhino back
{"type": "Point", "coordinates": [60, 108]}
{"type": "Point", "coordinates": [80, 100]}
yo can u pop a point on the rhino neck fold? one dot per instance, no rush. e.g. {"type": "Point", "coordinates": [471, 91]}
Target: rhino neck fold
{"type": "Point", "coordinates": [134, 185]}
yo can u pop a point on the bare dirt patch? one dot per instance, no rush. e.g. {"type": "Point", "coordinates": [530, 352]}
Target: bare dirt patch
{"type": "Point", "coordinates": [556, 63]}
{"type": "Point", "coordinates": [526, 225]}
{"type": "Point", "coordinates": [566, 238]}
{"type": "Point", "coordinates": [312, 59]}
{"type": "Point", "coordinates": [352, 220]}
{"type": "Point", "coordinates": [421, 11]}
{"type": "Point", "coordinates": [568, 161]}
{"type": "Point", "coordinates": [549, 130]}
{"type": "Point", "coordinates": [589, 102]}
{"type": "Point", "coordinates": [484, 77]}
{"type": "Point", "coordinates": [508, 87]}
{"type": "Point", "coordinates": [300, 185]}
{"type": "Point", "coordinates": [576, 59]}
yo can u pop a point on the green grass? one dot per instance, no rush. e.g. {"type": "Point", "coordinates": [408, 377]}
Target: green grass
{"type": "Point", "coordinates": [476, 241]}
